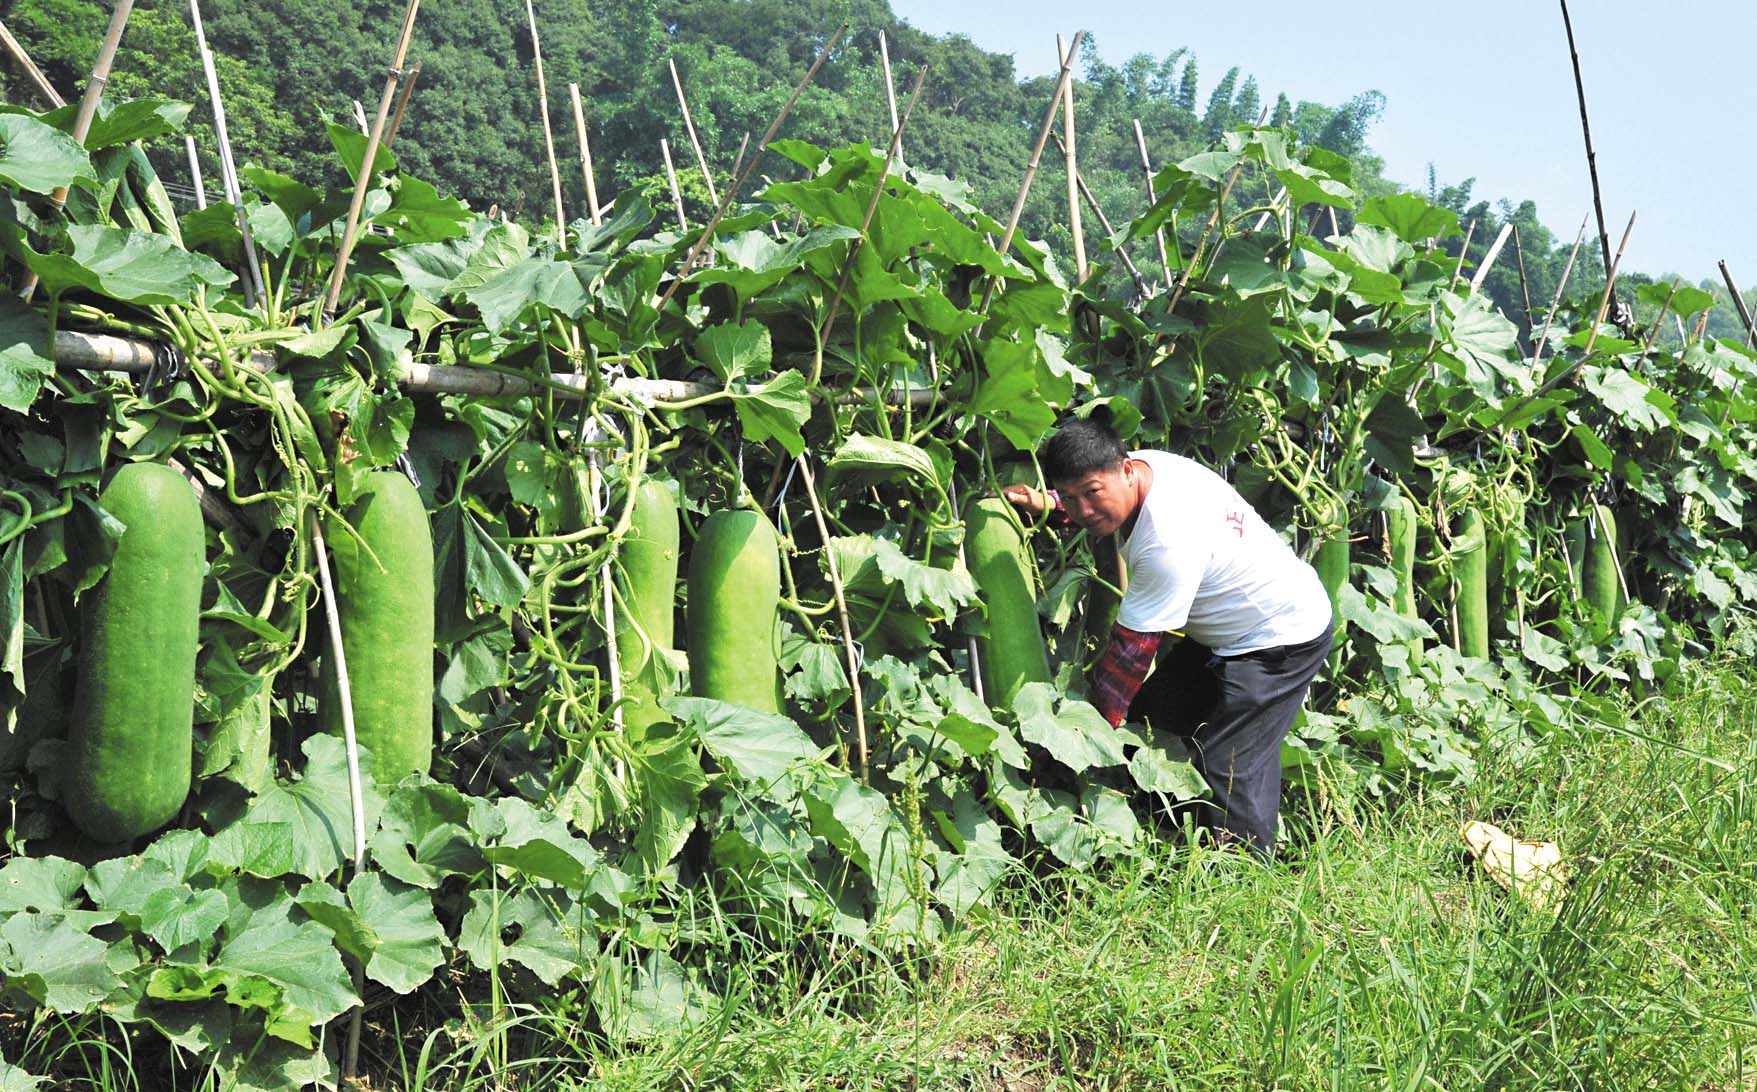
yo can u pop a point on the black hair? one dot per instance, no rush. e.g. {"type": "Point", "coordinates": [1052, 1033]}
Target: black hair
{"type": "Point", "coordinates": [1082, 446]}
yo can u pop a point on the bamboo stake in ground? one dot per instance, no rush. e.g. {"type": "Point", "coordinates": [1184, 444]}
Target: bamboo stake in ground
{"type": "Point", "coordinates": [195, 172]}
{"type": "Point", "coordinates": [548, 134]}
{"type": "Point", "coordinates": [88, 104]}
{"type": "Point", "coordinates": [890, 87]}
{"type": "Point", "coordinates": [671, 177]}
{"type": "Point", "coordinates": [853, 657]}
{"type": "Point", "coordinates": [1556, 301]}
{"type": "Point", "coordinates": [1153, 199]}
{"type": "Point", "coordinates": [579, 125]}
{"type": "Point", "coordinates": [1604, 238]}
{"type": "Point", "coordinates": [1488, 260]}
{"type": "Point", "coordinates": [1524, 291]}
{"type": "Point", "coordinates": [361, 184]}
{"type": "Point", "coordinates": [43, 86]}
{"type": "Point", "coordinates": [695, 142]}
{"type": "Point", "coordinates": [871, 208]}
{"type": "Point", "coordinates": [396, 119]}
{"type": "Point", "coordinates": [252, 279]}
{"type": "Point", "coordinates": [1604, 303]}
{"type": "Point", "coordinates": [1726, 274]}
{"type": "Point", "coordinates": [739, 179]}
{"type": "Point", "coordinates": [1070, 158]}
{"type": "Point", "coordinates": [350, 744]}
{"type": "Point", "coordinates": [1110, 233]}
{"type": "Point", "coordinates": [1055, 102]}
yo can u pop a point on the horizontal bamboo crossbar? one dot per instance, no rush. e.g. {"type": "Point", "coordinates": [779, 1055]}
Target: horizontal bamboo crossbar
{"type": "Point", "coordinates": [78, 351]}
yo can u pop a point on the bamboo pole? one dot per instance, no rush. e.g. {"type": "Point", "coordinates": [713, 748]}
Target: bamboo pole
{"type": "Point", "coordinates": [1153, 199]}
{"type": "Point", "coordinates": [1110, 233]}
{"type": "Point", "coordinates": [1726, 274]}
{"type": "Point", "coordinates": [195, 172]}
{"type": "Point", "coordinates": [671, 178]}
{"type": "Point", "coordinates": [254, 289]}
{"type": "Point", "coordinates": [1604, 238]}
{"type": "Point", "coordinates": [351, 745]}
{"type": "Point", "coordinates": [1055, 103]}
{"type": "Point", "coordinates": [695, 142]}
{"type": "Point", "coordinates": [872, 206]}
{"type": "Point", "coordinates": [1463, 252]}
{"type": "Point", "coordinates": [403, 96]}
{"type": "Point", "coordinates": [1030, 167]}
{"type": "Point", "coordinates": [88, 105]}
{"type": "Point", "coordinates": [363, 182]}
{"type": "Point", "coordinates": [739, 179]}
{"type": "Point", "coordinates": [40, 81]}
{"type": "Point", "coordinates": [1488, 260]}
{"type": "Point", "coordinates": [1556, 301]}
{"type": "Point", "coordinates": [548, 133]}
{"type": "Point", "coordinates": [890, 86]}
{"type": "Point", "coordinates": [579, 125]}
{"type": "Point", "coordinates": [76, 350]}
{"type": "Point", "coordinates": [1070, 159]}
{"type": "Point", "coordinates": [1658, 319]}
{"type": "Point", "coordinates": [1524, 289]}
{"type": "Point", "coordinates": [848, 651]}
{"type": "Point", "coordinates": [1604, 304]}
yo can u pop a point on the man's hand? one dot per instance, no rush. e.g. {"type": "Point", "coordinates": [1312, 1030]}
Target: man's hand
{"type": "Point", "coordinates": [1034, 502]}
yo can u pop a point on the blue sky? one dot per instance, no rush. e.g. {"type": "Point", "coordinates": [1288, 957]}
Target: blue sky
{"type": "Point", "coordinates": [1481, 90]}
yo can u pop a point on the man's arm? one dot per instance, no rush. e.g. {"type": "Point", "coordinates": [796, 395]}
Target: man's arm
{"type": "Point", "coordinates": [1036, 504]}
{"type": "Point", "coordinates": [1120, 670]}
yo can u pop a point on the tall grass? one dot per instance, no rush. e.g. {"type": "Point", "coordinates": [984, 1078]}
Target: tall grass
{"type": "Point", "coordinates": [1374, 955]}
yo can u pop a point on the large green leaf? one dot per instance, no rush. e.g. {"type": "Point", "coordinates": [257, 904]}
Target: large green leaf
{"type": "Point", "coordinates": [866, 459]}
{"type": "Point", "coordinates": [1411, 217]}
{"type": "Point", "coordinates": [313, 815]}
{"type": "Point", "coordinates": [56, 964]}
{"type": "Point", "coordinates": [548, 934]}
{"type": "Point", "coordinates": [26, 358]}
{"type": "Point", "coordinates": [129, 266]}
{"type": "Point", "coordinates": [774, 409]}
{"type": "Point", "coordinates": [388, 926]}
{"type": "Point", "coordinates": [758, 746]}
{"type": "Point", "coordinates": [39, 158]}
{"type": "Point", "coordinates": [425, 835]}
{"type": "Point", "coordinates": [538, 844]}
{"type": "Point", "coordinates": [734, 351]}
{"type": "Point", "coordinates": [1074, 735]}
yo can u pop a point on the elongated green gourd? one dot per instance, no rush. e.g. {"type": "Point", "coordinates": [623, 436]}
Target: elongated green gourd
{"type": "Point", "coordinates": [385, 600]}
{"type": "Point", "coordinates": [734, 606]}
{"type": "Point", "coordinates": [1574, 542]}
{"type": "Point", "coordinates": [1331, 561]}
{"type": "Point", "coordinates": [646, 580]}
{"type": "Point", "coordinates": [134, 701]}
{"type": "Point", "coordinates": [1470, 561]}
{"type": "Point", "coordinates": [1600, 588]}
{"type": "Point", "coordinates": [1402, 523]}
{"type": "Point", "coordinates": [1102, 597]}
{"type": "Point", "coordinates": [1012, 652]}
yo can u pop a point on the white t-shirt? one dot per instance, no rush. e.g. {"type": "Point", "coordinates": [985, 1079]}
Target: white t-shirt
{"type": "Point", "coordinates": [1202, 561]}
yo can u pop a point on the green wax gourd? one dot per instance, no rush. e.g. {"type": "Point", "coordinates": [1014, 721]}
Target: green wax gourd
{"type": "Point", "coordinates": [734, 608]}
{"type": "Point", "coordinates": [385, 601]}
{"type": "Point", "coordinates": [1600, 587]}
{"type": "Point", "coordinates": [132, 734]}
{"type": "Point", "coordinates": [1331, 562]}
{"type": "Point", "coordinates": [1012, 652]}
{"type": "Point", "coordinates": [1402, 524]}
{"type": "Point", "coordinates": [646, 581]}
{"type": "Point", "coordinates": [1470, 569]}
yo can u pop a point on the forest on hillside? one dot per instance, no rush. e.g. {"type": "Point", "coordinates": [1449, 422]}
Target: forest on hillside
{"type": "Point", "coordinates": [473, 126]}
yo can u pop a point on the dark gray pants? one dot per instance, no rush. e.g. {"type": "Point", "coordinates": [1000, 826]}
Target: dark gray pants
{"type": "Point", "coordinates": [1235, 711]}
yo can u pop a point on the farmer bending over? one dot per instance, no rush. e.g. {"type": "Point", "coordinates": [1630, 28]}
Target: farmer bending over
{"type": "Point", "coordinates": [1199, 560]}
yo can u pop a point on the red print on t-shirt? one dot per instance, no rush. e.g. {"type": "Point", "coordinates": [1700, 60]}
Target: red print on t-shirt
{"type": "Point", "coordinates": [1236, 520]}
